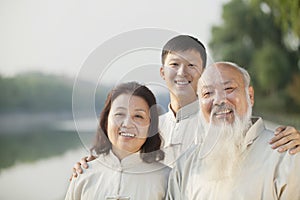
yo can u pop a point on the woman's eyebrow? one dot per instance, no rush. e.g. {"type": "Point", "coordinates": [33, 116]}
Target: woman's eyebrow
{"type": "Point", "coordinates": [120, 108]}
{"type": "Point", "coordinates": [140, 110]}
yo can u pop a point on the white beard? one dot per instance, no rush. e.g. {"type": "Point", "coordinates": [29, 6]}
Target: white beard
{"type": "Point", "coordinates": [222, 161]}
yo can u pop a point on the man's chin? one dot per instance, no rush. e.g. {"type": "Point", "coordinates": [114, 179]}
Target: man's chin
{"type": "Point", "coordinates": [222, 121]}
{"type": "Point", "coordinates": [184, 93]}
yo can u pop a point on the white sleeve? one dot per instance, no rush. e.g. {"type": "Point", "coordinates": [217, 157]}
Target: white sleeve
{"type": "Point", "coordinates": [74, 190]}
{"type": "Point", "coordinates": [290, 173]}
{"type": "Point", "coordinates": [174, 191]}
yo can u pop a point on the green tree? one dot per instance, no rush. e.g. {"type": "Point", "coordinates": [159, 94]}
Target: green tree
{"type": "Point", "coordinates": [270, 64]}
{"type": "Point", "coordinates": [293, 89]}
{"type": "Point", "coordinates": [252, 37]}
{"type": "Point", "coordinates": [285, 13]}
{"type": "Point", "coordinates": [36, 92]}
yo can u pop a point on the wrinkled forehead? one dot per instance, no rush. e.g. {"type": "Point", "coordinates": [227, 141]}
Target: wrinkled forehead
{"type": "Point", "coordinates": [211, 76]}
{"type": "Point", "coordinates": [218, 75]}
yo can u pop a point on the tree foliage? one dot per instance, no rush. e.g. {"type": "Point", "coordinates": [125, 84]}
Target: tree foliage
{"type": "Point", "coordinates": [36, 92]}
{"type": "Point", "coordinates": [252, 37]}
{"type": "Point", "coordinates": [269, 77]}
{"type": "Point", "coordinates": [285, 13]}
{"type": "Point", "coordinates": [294, 89]}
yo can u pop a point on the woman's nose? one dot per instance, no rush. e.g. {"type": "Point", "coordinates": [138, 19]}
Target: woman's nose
{"type": "Point", "coordinates": [127, 122]}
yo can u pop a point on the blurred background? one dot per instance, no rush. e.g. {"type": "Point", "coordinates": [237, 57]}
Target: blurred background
{"type": "Point", "coordinates": [45, 43]}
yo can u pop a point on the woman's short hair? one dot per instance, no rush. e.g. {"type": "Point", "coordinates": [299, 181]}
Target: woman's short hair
{"type": "Point", "coordinates": [150, 150]}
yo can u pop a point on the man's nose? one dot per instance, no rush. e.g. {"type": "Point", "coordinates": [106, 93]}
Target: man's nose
{"type": "Point", "coordinates": [220, 97]}
{"type": "Point", "coordinates": [181, 70]}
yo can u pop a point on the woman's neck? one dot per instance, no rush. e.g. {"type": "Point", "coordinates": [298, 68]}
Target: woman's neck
{"type": "Point", "coordinates": [121, 154]}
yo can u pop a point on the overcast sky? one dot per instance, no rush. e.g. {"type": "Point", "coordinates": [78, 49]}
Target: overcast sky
{"type": "Point", "coordinates": [58, 36]}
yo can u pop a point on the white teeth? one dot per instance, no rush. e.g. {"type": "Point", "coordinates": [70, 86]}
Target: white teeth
{"type": "Point", "coordinates": [223, 112]}
{"type": "Point", "coordinates": [182, 82]}
{"type": "Point", "coordinates": [127, 134]}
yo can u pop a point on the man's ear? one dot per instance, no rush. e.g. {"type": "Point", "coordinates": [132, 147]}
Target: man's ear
{"type": "Point", "coordinates": [251, 94]}
{"type": "Point", "coordinates": [162, 72]}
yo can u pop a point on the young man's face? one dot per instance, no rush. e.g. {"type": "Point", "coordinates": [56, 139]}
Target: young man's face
{"type": "Point", "coordinates": [181, 72]}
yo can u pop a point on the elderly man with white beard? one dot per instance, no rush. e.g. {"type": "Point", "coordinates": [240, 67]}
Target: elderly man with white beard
{"type": "Point", "coordinates": [234, 161]}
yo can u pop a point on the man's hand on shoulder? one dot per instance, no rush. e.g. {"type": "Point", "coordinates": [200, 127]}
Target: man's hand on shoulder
{"type": "Point", "coordinates": [286, 138]}
{"type": "Point", "coordinates": [77, 168]}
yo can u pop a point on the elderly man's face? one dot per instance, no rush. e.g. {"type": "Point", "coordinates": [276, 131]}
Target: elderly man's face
{"type": "Point", "coordinates": [222, 94]}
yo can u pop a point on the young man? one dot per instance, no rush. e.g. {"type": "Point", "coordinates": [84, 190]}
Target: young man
{"type": "Point", "coordinates": [234, 161]}
{"type": "Point", "coordinates": [183, 61]}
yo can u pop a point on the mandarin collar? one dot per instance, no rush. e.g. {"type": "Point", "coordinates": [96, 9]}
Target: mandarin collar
{"type": "Point", "coordinates": [185, 111]}
{"type": "Point", "coordinates": [254, 131]}
{"type": "Point", "coordinates": [111, 160]}
{"type": "Point", "coordinates": [130, 164]}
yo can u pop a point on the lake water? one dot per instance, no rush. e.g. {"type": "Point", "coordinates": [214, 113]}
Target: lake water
{"type": "Point", "coordinates": [46, 179]}
{"type": "Point", "coordinates": [37, 153]}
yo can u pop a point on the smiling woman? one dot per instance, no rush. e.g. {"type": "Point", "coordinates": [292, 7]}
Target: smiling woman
{"type": "Point", "coordinates": [128, 123]}
{"type": "Point", "coordinates": [128, 148]}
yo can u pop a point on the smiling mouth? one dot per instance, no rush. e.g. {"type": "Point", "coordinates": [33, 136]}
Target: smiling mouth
{"type": "Point", "coordinates": [182, 82]}
{"type": "Point", "coordinates": [129, 135]}
{"type": "Point", "coordinates": [223, 113]}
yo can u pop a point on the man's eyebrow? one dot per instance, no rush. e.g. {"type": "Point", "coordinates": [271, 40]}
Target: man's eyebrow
{"type": "Point", "coordinates": [214, 85]}
{"type": "Point", "coordinates": [174, 59]}
{"type": "Point", "coordinates": [229, 82]}
{"type": "Point", "coordinates": [206, 87]}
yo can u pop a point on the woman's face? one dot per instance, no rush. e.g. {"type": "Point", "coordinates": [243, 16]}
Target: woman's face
{"type": "Point", "coordinates": [128, 124]}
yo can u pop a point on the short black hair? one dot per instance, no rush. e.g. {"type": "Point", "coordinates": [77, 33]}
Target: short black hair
{"type": "Point", "coordinates": [184, 43]}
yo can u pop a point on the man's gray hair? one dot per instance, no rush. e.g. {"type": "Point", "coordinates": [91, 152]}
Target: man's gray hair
{"type": "Point", "coordinates": [244, 72]}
